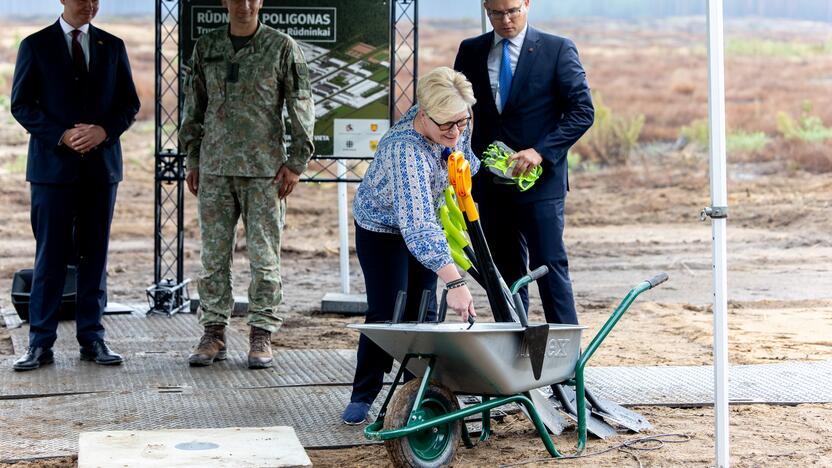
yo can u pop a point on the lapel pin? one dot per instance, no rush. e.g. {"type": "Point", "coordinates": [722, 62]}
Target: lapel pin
{"type": "Point", "coordinates": [531, 49]}
{"type": "Point", "coordinates": [100, 42]}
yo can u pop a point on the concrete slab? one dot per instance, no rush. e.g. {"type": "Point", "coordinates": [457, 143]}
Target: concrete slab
{"type": "Point", "coordinates": [229, 447]}
{"type": "Point", "coordinates": [346, 304]}
{"type": "Point", "coordinates": [240, 305]}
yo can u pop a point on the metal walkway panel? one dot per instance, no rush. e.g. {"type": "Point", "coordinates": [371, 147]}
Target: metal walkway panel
{"type": "Point", "coordinates": [49, 427]}
{"type": "Point", "coordinates": [146, 371]}
{"type": "Point", "coordinates": [784, 383]}
{"type": "Point", "coordinates": [793, 382]}
{"type": "Point", "coordinates": [133, 333]}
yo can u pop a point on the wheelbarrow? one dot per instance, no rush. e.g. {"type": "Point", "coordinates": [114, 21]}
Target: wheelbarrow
{"type": "Point", "coordinates": [421, 422]}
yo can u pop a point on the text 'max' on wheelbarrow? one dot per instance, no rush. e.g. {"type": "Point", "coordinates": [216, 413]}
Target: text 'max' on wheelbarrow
{"type": "Point", "coordinates": [421, 423]}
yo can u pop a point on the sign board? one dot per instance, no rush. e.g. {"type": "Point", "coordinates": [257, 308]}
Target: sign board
{"type": "Point", "coordinates": [346, 44]}
{"type": "Point", "coordinates": [358, 138]}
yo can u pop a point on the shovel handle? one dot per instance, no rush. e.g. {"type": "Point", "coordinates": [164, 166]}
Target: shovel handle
{"type": "Point", "coordinates": [443, 307]}
{"type": "Point", "coordinates": [459, 175]}
{"type": "Point", "coordinates": [398, 309]}
{"type": "Point", "coordinates": [423, 305]}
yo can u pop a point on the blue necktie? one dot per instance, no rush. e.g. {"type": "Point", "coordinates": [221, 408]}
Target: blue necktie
{"type": "Point", "coordinates": [505, 76]}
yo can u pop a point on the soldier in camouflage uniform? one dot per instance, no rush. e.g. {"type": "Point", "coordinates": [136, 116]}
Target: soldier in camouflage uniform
{"type": "Point", "coordinates": [233, 132]}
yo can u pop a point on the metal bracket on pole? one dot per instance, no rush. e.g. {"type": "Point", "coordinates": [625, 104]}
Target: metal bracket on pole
{"type": "Point", "coordinates": [167, 297]}
{"type": "Point", "coordinates": [713, 212]}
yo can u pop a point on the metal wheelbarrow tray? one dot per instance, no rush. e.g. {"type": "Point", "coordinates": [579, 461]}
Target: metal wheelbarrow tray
{"type": "Point", "coordinates": [420, 421]}
{"type": "Point", "coordinates": [487, 359]}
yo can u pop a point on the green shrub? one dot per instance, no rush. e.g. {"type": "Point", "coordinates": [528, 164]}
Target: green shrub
{"type": "Point", "coordinates": [698, 133]}
{"type": "Point", "coordinates": [769, 48]}
{"type": "Point", "coordinates": [611, 138]}
{"type": "Point", "coordinates": [807, 128]}
{"type": "Point", "coordinates": [17, 165]}
{"type": "Point", "coordinates": [573, 160]}
{"type": "Point", "coordinates": [750, 142]}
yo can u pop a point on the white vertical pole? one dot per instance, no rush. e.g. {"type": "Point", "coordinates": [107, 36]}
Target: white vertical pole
{"type": "Point", "coordinates": [482, 10]}
{"type": "Point", "coordinates": [343, 229]}
{"type": "Point", "coordinates": [719, 198]}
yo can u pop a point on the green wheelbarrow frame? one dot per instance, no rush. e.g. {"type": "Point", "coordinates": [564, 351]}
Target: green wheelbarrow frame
{"type": "Point", "coordinates": [417, 422]}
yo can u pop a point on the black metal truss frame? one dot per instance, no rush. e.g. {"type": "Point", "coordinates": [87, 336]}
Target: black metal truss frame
{"type": "Point", "coordinates": [169, 292]}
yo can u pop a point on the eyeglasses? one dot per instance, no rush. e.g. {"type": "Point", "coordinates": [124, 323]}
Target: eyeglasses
{"type": "Point", "coordinates": [460, 124]}
{"type": "Point", "coordinates": [498, 15]}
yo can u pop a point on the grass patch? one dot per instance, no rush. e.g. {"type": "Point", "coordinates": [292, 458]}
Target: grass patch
{"type": "Point", "coordinates": [17, 165]}
{"type": "Point", "coordinates": [746, 142]}
{"type": "Point", "coordinates": [781, 49]}
{"type": "Point", "coordinates": [611, 138]}
{"type": "Point", "coordinates": [807, 128]}
{"type": "Point", "coordinates": [736, 141]}
{"type": "Point", "coordinates": [339, 81]}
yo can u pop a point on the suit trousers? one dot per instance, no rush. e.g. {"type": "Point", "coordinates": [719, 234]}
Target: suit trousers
{"type": "Point", "coordinates": [61, 212]}
{"type": "Point", "coordinates": [388, 268]}
{"type": "Point", "coordinates": [525, 236]}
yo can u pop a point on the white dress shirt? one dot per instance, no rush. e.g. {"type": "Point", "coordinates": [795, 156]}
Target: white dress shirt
{"type": "Point", "coordinates": [84, 38]}
{"type": "Point", "coordinates": [495, 58]}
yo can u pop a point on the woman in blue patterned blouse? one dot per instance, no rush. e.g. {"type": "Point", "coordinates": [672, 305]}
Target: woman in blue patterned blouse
{"type": "Point", "coordinates": [399, 239]}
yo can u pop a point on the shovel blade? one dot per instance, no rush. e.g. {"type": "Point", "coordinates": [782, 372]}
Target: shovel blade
{"type": "Point", "coordinates": [614, 413]}
{"type": "Point", "coordinates": [548, 413]}
{"type": "Point", "coordinates": [536, 338]}
{"type": "Point", "coordinates": [594, 425]}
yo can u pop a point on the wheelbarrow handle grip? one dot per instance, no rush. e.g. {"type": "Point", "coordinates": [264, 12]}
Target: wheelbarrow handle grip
{"type": "Point", "coordinates": [657, 280]}
{"type": "Point", "coordinates": [539, 272]}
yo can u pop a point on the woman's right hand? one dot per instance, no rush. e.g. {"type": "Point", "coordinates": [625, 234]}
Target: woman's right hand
{"type": "Point", "coordinates": [460, 301]}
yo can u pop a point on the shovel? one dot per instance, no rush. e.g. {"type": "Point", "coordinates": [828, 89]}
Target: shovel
{"type": "Point", "coordinates": [535, 338]}
{"type": "Point", "coordinates": [459, 175]}
{"type": "Point", "coordinates": [505, 303]}
{"type": "Point", "coordinates": [461, 250]}
{"type": "Point", "coordinates": [614, 413]}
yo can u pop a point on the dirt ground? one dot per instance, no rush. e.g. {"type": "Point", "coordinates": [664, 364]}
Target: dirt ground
{"type": "Point", "coordinates": [623, 225]}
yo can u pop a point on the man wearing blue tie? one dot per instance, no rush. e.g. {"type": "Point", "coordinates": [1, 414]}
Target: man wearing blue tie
{"type": "Point", "coordinates": [532, 95]}
{"type": "Point", "coordinates": [74, 93]}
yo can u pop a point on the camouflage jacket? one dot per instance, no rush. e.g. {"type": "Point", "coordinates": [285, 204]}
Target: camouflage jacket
{"type": "Point", "coordinates": [236, 128]}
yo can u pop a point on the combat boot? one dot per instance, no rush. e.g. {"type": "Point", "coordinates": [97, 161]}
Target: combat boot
{"type": "Point", "coordinates": [260, 349]}
{"type": "Point", "coordinates": [211, 347]}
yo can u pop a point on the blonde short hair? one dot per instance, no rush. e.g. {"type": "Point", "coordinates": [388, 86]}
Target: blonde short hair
{"type": "Point", "coordinates": [443, 93]}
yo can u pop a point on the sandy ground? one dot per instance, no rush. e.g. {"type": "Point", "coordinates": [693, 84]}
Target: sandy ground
{"type": "Point", "coordinates": [623, 226]}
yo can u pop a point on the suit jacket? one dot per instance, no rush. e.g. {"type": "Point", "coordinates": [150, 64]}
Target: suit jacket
{"type": "Point", "coordinates": [549, 108]}
{"type": "Point", "coordinates": [48, 99]}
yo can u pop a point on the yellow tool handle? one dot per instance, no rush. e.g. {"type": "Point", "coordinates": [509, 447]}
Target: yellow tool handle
{"type": "Point", "coordinates": [459, 174]}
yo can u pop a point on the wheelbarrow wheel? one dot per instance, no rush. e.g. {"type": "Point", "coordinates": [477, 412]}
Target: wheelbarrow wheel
{"type": "Point", "coordinates": [433, 447]}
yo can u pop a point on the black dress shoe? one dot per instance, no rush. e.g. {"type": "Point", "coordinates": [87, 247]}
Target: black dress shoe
{"type": "Point", "coordinates": [99, 352]}
{"type": "Point", "coordinates": [34, 358]}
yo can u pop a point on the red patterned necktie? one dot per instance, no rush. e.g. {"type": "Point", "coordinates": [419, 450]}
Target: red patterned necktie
{"type": "Point", "coordinates": [78, 58]}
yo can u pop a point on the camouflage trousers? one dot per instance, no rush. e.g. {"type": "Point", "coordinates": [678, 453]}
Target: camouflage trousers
{"type": "Point", "coordinates": [222, 200]}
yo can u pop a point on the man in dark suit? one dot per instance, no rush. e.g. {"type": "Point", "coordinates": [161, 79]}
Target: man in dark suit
{"type": "Point", "coordinates": [532, 95]}
{"type": "Point", "coordinates": [74, 94]}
